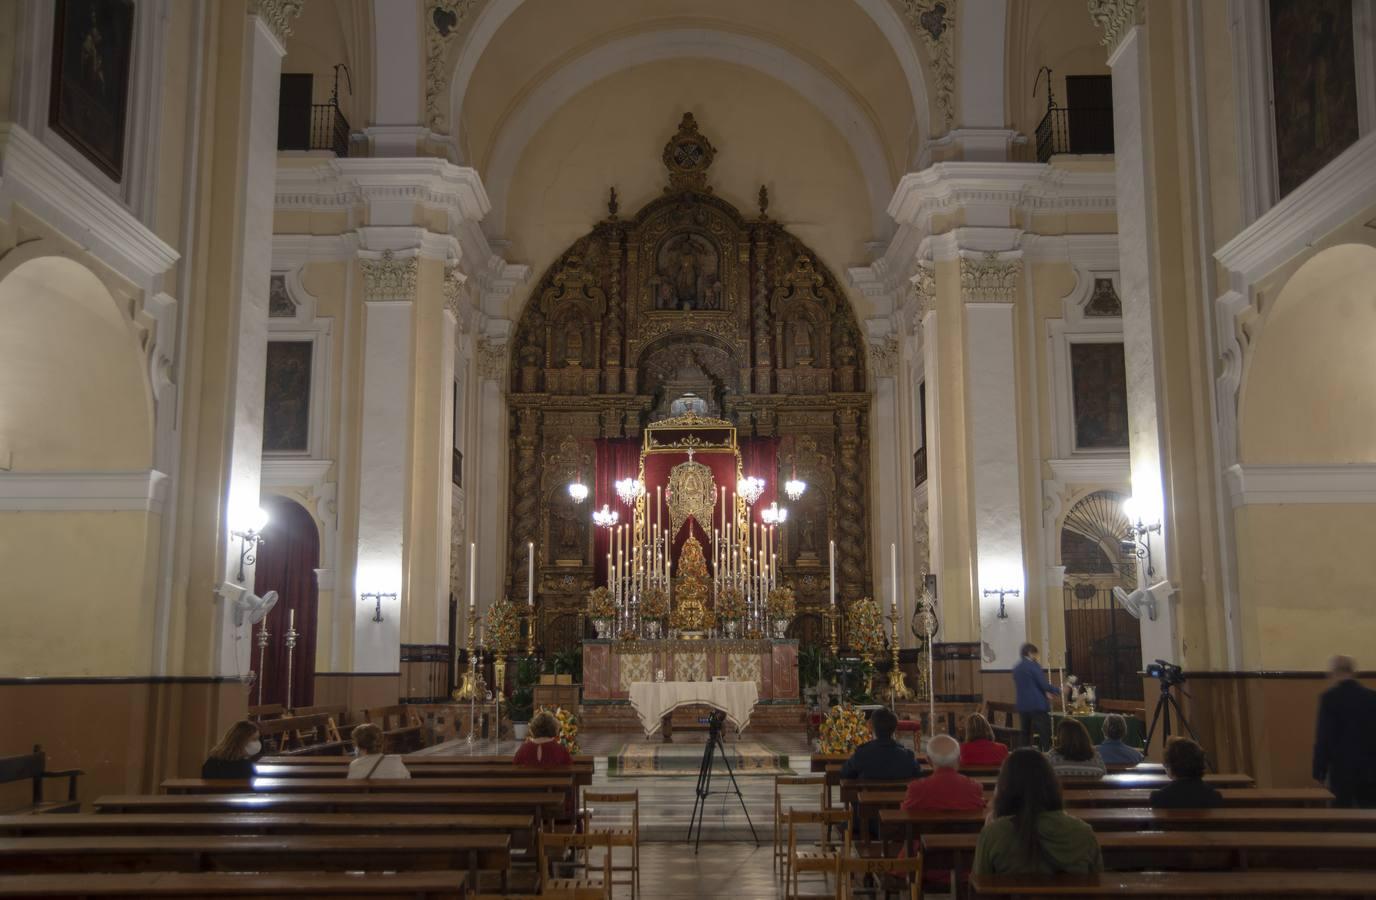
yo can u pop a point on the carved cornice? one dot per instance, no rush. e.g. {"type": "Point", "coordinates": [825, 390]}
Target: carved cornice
{"type": "Point", "coordinates": [934, 22]}
{"type": "Point", "coordinates": [277, 15]}
{"type": "Point", "coordinates": [443, 20]}
{"type": "Point", "coordinates": [491, 359]}
{"type": "Point", "coordinates": [1115, 18]}
{"type": "Point", "coordinates": [989, 278]}
{"type": "Point", "coordinates": [389, 277]}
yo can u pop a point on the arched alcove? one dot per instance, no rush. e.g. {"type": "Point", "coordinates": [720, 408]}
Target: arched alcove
{"type": "Point", "coordinates": [74, 394]}
{"type": "Point", "coordinates": [287, 560]}
{"type": "Point", "coordinates": [1308, 395]}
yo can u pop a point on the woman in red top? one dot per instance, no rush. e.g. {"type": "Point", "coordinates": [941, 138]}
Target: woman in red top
{"type": "Point", "coordinates": [980, 748]}
{"type": "Point", "coordinates": [542, 749]}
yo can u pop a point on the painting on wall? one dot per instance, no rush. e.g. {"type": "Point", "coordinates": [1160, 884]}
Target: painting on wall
{"type": "Point", "coordinates": [1314, 81]}
{"type": "Point", "coordinates": [287, 397]}
{"type": "Point", "coordinates": [1099, 390]}
{"type": "Point", "coordinates": [93, 44]}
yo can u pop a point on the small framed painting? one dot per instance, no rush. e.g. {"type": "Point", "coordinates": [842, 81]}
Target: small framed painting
{"type": "Point", "coordinates": [93, 42]}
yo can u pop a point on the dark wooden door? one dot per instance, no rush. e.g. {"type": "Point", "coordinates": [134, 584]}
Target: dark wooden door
{"type": "Point", "coordinates": [1089, 99]}
{"type": "Point", "coordinates": [294, 112]}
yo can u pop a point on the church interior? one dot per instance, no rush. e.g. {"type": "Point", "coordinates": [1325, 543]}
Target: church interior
{"type": "Point", "coordinates": [612, 417]}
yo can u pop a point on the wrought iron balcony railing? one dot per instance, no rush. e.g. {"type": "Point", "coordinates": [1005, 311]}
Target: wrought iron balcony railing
{"type": "Point", "coordinates": [1074, 130]}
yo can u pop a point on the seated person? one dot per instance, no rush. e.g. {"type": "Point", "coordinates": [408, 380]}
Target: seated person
{"type": "Point", "coordinates": [1113, 751]}
{"type": "Point", "coordinates": [945, 788]}
{"type": "Point", "coordinates": [541, 748]}
{"type": "Point", "coordinates": [980, 748]}
{"type": "Point", "coordinates": [882, 759]}
{"type": "Point", "coordinates": [1187, 790]}
{"type": "Point", "coordinates": [372, 763]}
{"type": "Point", "coordinates": [1074, 755]}
{"type": "Point", "coordinates": [1028, 832]}
{"type": "Point", "coordinates": [232, 758]}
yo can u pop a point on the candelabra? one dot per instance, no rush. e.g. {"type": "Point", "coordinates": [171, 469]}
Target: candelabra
{"type": "Point", "coordinates": [262, 657]}
{"type": "Point", "coordinates": [898, 685]}
{"type": "Point", "coordinates": [472, 679]}
{"type": "Point", "coordinates": [291, 651]}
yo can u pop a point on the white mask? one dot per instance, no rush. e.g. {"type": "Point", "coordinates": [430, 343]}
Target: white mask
{"type": "Point", "coordinates": [253, 748]}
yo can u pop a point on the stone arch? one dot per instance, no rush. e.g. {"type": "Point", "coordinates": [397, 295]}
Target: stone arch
{"type": "Point", "coordinates": [75, 391]}
{"type": "Point", "coordinates": [1306, 393]}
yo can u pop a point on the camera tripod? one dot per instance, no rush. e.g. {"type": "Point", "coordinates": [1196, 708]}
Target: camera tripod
{"type": "Point", "coordinates": [1164, 704]}
{"type": "Point", "coordinates": [704, 789]}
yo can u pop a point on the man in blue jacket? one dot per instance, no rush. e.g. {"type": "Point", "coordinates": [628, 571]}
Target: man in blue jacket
{"type": "Point", "coordinates": [1034, 709]}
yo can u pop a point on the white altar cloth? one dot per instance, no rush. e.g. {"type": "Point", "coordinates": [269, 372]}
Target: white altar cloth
{"type": "Point", "coordinates": [653, 700]}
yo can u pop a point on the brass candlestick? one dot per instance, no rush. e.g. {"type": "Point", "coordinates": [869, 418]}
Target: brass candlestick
{"type": "Point", "coordinates": [530, 636]}
{"type": "Point", "coordinates": [898, 685]}
{"type": "Point", "coordinates": [835, 648]}
{"type": "Point", "coordinates": [291, 652]}
{"type": "Point", "coordinates": [262, 657]}
{"type": "Point", "coordinates": [472, 679]}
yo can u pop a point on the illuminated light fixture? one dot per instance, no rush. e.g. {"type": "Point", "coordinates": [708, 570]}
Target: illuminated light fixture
{"type": "Point", "coordinates": [749, 489]}
{"type": "Point", "coordinates": [630, 490]}
{"type": "Point", "coordinates": [578, 490]}
{"type": "Point", "coordinates": [249, 539]}
{"type": "Point", "coordinates": [774, 514]}
{"type": "Point", "coordinates": [605, 517]}
{"type": "Point", "coordinates": [377, 598]}
{"type": "Point", "coordinates": [1137, 538]}
{"type": "Point", "coordinates": [794, 488]}
{"type": "Point", "coordinates": [1001, 593]}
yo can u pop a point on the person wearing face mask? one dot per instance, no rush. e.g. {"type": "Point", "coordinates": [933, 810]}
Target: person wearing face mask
{"type": "Point", "coordinates": [233, 756]}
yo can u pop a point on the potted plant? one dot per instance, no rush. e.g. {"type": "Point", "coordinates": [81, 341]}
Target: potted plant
{"type": "Point", "coordinates": [601, 609]}
{"type": "Point", "coordinates": [522, 703]}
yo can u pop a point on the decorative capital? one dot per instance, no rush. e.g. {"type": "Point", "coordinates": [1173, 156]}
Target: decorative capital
{"type": "Point", "coordinates": [989, 278]}
{"type": "Point", "coordinates": [884, 357]}
{"type": "Point", "coordinates": [491, 359]}
{"type": "Point", "coordinates": [934, 22]}
{"type": "Point", "coordinates": [389, 277]}
{"type": "Point", "coordinates": [277, 15]}
{"type": "Point", "coordinates": [1115, 18]}
{"type": "Point", "coordinates": [924, 290]}
{"type": "Point", "coordinates": [453, 290]}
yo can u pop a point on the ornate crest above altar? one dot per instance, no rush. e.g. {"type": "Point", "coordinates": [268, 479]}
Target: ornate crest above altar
{"type": "Point", "coordinates": [686, 346]}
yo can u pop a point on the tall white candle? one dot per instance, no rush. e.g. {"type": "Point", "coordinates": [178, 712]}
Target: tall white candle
{"type": "Point", "coordinates": [833, 572]}
{"type": "Point", "coordinates": [472, 575]}
{"type": "Point", "coordinates": [291, 621]}
{"type": "Point", "coordinates": [530, 577]}
{"type": "Point", "coordinates": [893, 573]}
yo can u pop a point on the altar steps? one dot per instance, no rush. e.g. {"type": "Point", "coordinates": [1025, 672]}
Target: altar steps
{"type": "Point", "coordinates": [619, 716]}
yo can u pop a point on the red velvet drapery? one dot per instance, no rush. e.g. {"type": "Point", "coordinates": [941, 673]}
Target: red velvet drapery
{"type": "Point", "coordinates": [617, 458]}
{"type": "Point", "coordinates": [287, 560]}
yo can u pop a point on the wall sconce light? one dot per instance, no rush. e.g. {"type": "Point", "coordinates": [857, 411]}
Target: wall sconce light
{"type": "Point", "coordinates": [1137, 537]}
{"type": "Point", "coordinates": [1001, 593]}
{"type": "Point", "coordinates": [376, 598]}
{"type": "Point", "coordinates": [249, 539]}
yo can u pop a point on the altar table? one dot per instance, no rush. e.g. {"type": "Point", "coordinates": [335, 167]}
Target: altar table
{"type": "Point", "coordinates": [610, 667]}
{"type": "Point", "coordinates": [653, 700]}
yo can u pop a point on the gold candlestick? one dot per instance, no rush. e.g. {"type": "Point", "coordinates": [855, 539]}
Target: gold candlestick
{"type": "Point", "coordinates": [471, 689]}
{"type": "Point", "coordinates": [898, 685]}
{"type": "Point", "coordinates": [835, 649]}
{"type": "Point", "coordinates": [530, 635]}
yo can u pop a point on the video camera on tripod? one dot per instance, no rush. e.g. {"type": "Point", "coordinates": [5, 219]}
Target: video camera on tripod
{"type": "Point", "coordinates": [1168, 674]}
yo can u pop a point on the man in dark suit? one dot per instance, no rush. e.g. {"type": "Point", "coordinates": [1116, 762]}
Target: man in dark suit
{"type": "Point", "coordinates": [1034, 710]}
{"type": "Point", "coordinates": [882, 759]}
{"type": "Point", "coordinates": [1345, 743]}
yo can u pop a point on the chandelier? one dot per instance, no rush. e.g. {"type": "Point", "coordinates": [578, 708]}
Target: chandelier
{"type": "Point", "coordinates": [630, 490]}
{"type": "Point", "coordinates": [605, 517]}
{"type": "Point", "coordinates": [749, 489]}
{"type": "Point", "coordinates": [794, 488]}
{"type": "Point", "coordinates": [578, 490]}
{"type": "Point", "coordinates": [774, 514]}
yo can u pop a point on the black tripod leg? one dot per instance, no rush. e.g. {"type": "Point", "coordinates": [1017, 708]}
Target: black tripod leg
{"type": "Point", "coordinates": [703, 789]}
{"type": "Point", "coordinates": [1156, 714]}
{"type": "Point", "coordinates": [721, 748]}
{"type": "Point", "coordinates": [1190, 730]}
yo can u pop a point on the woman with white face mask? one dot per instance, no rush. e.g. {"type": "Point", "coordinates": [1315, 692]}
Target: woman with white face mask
{"type": "Point", "coordinates": [232, 758]}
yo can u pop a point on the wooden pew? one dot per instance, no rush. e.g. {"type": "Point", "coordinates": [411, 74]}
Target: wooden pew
{"type": "Point", "coordinates": [436, 885]}
{"type": "Point", "coordinates": [411, 760]}
{"type": "Point", "coordinates": [582, 775]}
{"type": "Point", "coordinates": [1202, 850]}
{"type": "Point", "coordinates": [851, 787]}
{"type": "Point", "coordinates": [1212, 885]}
{"type": "Point", "coordinates": [402, 730]}
{"type": "Point", "coordinates": [1003, 718]}
{"type": "Point", "coordinates": [368, 785]}
{"type": "Point", "coordinates": [80, 824]}
{"type": "Point", "coordinates": [301, 734]}
{"type": "Point", "coordinates": [266, 711]}
{"type": "Point", "coordinates": [471, 853]}
{"type": "Point", "coordinates": [1255, 798]}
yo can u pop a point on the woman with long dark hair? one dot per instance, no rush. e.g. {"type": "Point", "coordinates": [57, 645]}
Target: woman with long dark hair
{"type": "Point", "coordinates": [1029, 832]}
{"type": "Point", "coordinates": [232, 758]}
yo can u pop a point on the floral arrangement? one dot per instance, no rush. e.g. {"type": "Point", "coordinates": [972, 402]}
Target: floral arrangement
{"type": "Point", "coordinates": [503, 626]}
{"type": "Point", "coordinates": [654, 603]}
{"type": "Point", "coordinates": [866, 626]}
{"type": "Point", "coordinates": [600, 604]}
{"type": "Point", "coordinates": [686, 617]}
{"type": "Point", "coordinates": [568, 727]}
{"type": "Point", "coordinates": [780, 603]}
{"type": "Point", "coordinates": [731, 604]}
{"type": "Point", "coordinates": [843, 730]}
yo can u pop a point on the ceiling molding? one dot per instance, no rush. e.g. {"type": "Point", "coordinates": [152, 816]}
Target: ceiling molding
{"type": "Point", "coordinates": [1250, 485]}
{"type": "Point", "coordinates": [138, 491]}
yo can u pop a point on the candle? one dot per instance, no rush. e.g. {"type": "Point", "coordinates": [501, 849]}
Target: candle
{"type": "Point", "coordinates": [530, 578]}
{"type": "Point", "coordinates": [833, 572]}
{"type": "Point", "coordinates": [291, 626]}
{"type": "Point", "coordinates": [893, 573]}
{"type": "Point", "coordinates": [472, 575]}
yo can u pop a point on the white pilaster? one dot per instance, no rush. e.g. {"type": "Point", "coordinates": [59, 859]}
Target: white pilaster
{"type": "Point", "coordinates": [488, 488]}
{"type": "Point", "coordinates": [1137, 255]}
{"type": "Point", "coordinates": [888, 500]}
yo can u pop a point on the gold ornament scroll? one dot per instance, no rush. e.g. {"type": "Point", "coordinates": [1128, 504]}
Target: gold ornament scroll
{"type": "Point", "coordinates": [692, 494]}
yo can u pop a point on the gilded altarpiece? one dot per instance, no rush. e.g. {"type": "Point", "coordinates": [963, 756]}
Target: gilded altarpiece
{"type": "Point", "coordinates": [687, 302]}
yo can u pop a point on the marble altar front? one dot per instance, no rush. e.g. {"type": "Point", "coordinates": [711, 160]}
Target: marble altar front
{"type": "Point", "coordinates": [610, 667]}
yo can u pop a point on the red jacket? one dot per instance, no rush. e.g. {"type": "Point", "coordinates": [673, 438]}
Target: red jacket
{"type": "Point", "coordinates": [983, 753]}
{"type": "Point", "coordinates": [944, 789]}
{"type": "Point", "coordinates": [542, 754]}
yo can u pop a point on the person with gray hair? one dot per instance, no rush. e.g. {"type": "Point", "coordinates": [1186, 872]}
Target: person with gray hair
{"type": "Point", "coordinates": [1345, 739]}
{"type": "Point", "coordinates": [945, 788]}
{"type": "Point", "coordinates": [1112, 750]}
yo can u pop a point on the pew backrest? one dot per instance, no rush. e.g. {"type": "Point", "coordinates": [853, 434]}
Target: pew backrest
{"type": "Point", "coordinates": [33, 767]}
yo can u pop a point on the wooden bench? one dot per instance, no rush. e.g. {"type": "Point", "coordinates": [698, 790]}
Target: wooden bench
{"type": "Point", "coordinates": [411, 760]}
{"type": "Point", "coordinates": [266, 711]}
{"type": "Point", "coordinates": [581, 774]}
{"type": "Point", "coordinates": [850, 787]}
{"type": "Point", "coordinates": [1212, 885]}
{"type": "Point", "coordinates": [402, 730]}
{"type": "Point", "coordinates": [472, 853]}
{"type": "Point", "coordinates": [302, 734]}
{"type": "Point", "coordinates": [1003, 718]}
{"type": "Point", "coordinates": [1203, 850]}
{"type": "Point", "coordinates": [1256, 798]}
{"type": "Point", "coordinates": [33, 767]}
{"type": "Point", "coordinates": [79, 824]}
{"type": "Point", "coordinates": [445, 884]}
{"type": "Point", "coordinates": [368, 785]}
